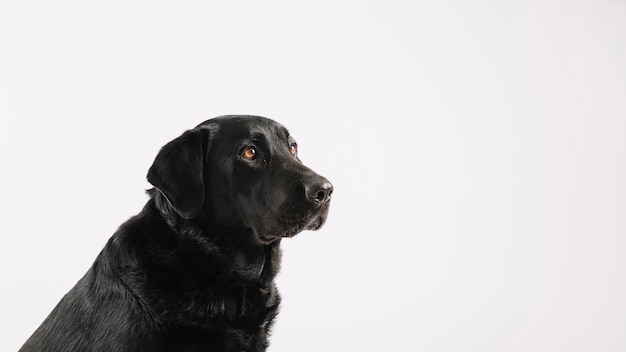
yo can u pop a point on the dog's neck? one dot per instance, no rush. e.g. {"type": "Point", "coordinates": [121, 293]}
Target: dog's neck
{"type": "Point", "coordinates": [226, 259]}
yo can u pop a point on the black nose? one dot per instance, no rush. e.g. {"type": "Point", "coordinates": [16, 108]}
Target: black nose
{"type": "Point", "coordinates": [319, 191]}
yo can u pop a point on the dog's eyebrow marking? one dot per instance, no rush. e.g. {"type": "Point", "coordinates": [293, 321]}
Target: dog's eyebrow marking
{"type": "Point", "coordinates": [258, 137]}
{"type": "Point", "coordinates": [283, 132]}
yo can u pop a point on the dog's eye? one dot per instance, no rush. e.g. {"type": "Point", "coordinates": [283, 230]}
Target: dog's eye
{"type": "Point", "coordinates": [293, 148]}
{"type": "Point", "coordinates": [249, 153]}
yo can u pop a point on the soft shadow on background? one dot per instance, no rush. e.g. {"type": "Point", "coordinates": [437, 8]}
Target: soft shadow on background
{"type": "Point", "coordinates": [477, 150]}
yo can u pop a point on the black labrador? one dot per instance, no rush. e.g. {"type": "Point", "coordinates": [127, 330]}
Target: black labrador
{"type": "Point", "coordinates": [194, 270]}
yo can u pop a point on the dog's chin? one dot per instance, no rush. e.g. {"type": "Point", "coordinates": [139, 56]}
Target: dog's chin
{"type": "Point", "coordinates": [268, 239]}
{"type": "Point", "coordinates": [268, 236]}
{"type": "Point", "coordinates": [273, 235]}
{"type": "Point", "coordinates": [316, 223]}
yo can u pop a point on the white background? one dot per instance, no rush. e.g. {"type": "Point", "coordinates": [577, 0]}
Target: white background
{"type": "Point", "coordinates": [477, 149]}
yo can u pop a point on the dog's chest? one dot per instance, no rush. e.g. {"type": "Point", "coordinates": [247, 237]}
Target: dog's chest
{"type": "Point", "coordinates": [257, 306]}
{"type": "Point", "coordinates": [240, 318]}
{"type": "Point", "coordinates": [214, 306]}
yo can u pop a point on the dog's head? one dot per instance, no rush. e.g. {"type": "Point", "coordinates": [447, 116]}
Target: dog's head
{"type": "Point", "coordinates": [241, 172]}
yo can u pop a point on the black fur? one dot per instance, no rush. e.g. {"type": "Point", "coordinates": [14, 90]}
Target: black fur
{"type": "Point", "coordinates": [194, 270]}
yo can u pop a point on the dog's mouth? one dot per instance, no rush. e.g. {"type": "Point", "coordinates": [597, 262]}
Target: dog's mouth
{"type": "Point", "coordinates": [316, 224]}
{"type": "Point", "coordinates": [292, 220]}
{"type": "Point", "coordinates": [269, 239]}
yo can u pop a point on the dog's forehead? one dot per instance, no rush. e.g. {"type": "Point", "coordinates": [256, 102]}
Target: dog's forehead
{"type": "Point", "coordinates": [238, 127]}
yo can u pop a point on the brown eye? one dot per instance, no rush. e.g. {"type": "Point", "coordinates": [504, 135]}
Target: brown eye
{"type": "Point", "coordinates": [293, 148]}
{"type": "Point", "coordinates": [249, 153]}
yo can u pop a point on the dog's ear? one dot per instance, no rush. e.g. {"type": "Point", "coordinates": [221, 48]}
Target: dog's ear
{"type": "Point", "coordinates": [178, 172]}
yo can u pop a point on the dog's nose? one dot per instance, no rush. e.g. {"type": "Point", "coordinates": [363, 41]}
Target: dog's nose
{"type": "Point", "coordinates": [318, 192]}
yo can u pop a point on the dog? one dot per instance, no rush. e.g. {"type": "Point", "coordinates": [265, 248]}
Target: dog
{"type": "Point", "coordinates": [195, 269]}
